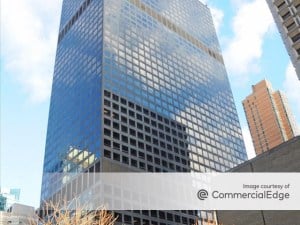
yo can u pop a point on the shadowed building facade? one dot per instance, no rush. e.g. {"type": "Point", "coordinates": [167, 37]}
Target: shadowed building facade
{"type": "Point", "coordinates": [284, 158]}
{"type": "Point", "coordinates": [269, 117]}
{"type": "Point", "coordinates": [286, 14]}
{"type": "Point", "coordinates": [140, 85]}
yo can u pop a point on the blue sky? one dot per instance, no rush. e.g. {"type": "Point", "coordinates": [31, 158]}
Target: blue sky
{"type": "Point", "coordinates": [250, 42]}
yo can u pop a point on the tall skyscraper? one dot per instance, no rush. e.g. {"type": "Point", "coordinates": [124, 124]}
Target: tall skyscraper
{"type": "Point", "coordinates": [286, 14]}
{"type": "Point", "coordinates": [269, 117]}
{"type": "Point", "coordinates": [140, 85]}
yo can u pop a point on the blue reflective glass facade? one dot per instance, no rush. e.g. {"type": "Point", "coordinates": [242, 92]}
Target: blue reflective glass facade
{"type": "Point", "coordinates": [75, 107]}
{"type": "Point", "coordinates": [140, 84]}
{"type": "Point", "coordinates": [157, 54]}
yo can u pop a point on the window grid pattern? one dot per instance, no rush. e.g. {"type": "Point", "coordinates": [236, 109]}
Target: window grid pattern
{"type": "Point", "coordinates": [146, 141]}
{"type": "Point", "coordinates": [175, 28]}
{"type": "Point", "coordinates": [140, 138]}
{"type": "Point", "coordinates": [71, 22]}
{"type": "Point", "coordinates": [159, 70]}
{"type": "Point", "coordinates": [144, 217]}
{"type": "Point", "coordinates": [187, 16]}
{"type": "Point", "coordinates": [69, 9]}
{"type": "Point", "coordinates": [76, 94]}
{"type": "Point", "coordinates": [156, 74]}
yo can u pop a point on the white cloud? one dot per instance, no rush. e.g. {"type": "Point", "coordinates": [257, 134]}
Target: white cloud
{"type": "Point", "coordinates": [218, 16]}
{"type": "Point", "coordinates": [29, 31]}
{"type": "Point", "coordinates": [238, 3]}
{"type": "Point", "coordinates": [248, 142]}
{"type": "Point", "coordinates": [291, 87]}
{"type": "Point", "coordinates": [204, 1]}
{"type": "Point", "coordinates": [250, 25]}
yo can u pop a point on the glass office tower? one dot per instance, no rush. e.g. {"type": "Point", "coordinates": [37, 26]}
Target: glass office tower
{"type": "Point", "coordinates": [140, 85]}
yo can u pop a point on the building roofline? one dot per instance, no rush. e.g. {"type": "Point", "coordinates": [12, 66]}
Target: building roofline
{"type": "Point", "coordinates": [269, 152]}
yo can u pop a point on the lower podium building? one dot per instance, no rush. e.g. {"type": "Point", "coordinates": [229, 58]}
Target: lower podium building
{"type": "Point", "coordinates": [140, 85]}
{"type": "Point", "coordinates": [283, 158]}
{"type": "Point", "coordinates": [18, 214]}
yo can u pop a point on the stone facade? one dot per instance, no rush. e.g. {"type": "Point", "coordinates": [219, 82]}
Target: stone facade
{"type": "Point", "coordinates": [283, 158]}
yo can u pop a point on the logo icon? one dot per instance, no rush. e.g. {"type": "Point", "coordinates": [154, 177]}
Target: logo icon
{"type": "Point", "coordinates": [202, 194]}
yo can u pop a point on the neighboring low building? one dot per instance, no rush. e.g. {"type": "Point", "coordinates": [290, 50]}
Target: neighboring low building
{"type": "Point", "coordinates": [2, 202]}
{"type": "Point", "coordinates": [18, 214]}
{"type": "Point", "coordinates": [287, 18]}
{"type": "Point", "coordinates": [269, 117]}
{"type": "Point", "coordinates": [8, 197]}
{"type": "Point", "coordinates": [283, 158]}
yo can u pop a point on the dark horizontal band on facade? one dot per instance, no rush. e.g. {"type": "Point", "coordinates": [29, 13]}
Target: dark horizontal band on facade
{"type": "Point", "coordinates": [166, 22]}
{"type": "Point", "coordinates": [78, 13]}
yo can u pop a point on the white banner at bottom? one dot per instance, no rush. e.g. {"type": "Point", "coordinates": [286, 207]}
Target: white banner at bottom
{"type": "Point", "coordinates": [177, 191]}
